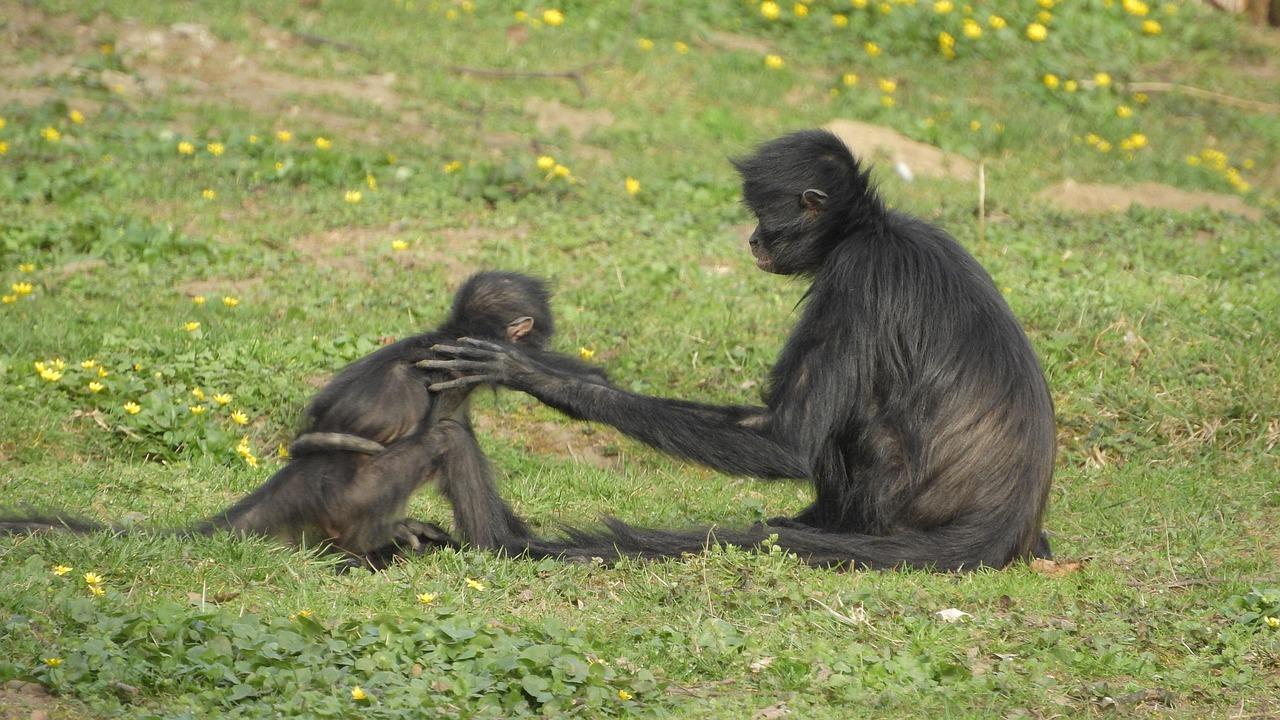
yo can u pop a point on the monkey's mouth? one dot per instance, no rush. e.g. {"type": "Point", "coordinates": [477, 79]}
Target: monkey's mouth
{"type": "Point", "coordinates": [764, 260]}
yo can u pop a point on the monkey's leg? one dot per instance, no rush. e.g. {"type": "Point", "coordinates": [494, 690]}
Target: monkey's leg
{"type": "Point", "coordinates": [480, 515]}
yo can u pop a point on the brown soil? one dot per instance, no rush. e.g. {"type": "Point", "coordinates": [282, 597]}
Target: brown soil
{"type": "Point", "coordinates": [455, 249]}
{"type": "Point", "coordinates": [554, 438]}
{"type": "Point", "coordinates": [1097, 198]}
{"type": "Point", "coordinates": [739, 43]}
{"type": "Point", "coordinates": [885, 145]}
{"type": "Point", "coordinates": [551, 115]}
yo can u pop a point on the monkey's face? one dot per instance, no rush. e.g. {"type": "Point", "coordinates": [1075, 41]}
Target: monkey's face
{"type": "Point", "coordinates": [787, 238]}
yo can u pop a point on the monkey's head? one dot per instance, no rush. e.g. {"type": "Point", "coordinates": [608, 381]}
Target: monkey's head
{"type": "Point", "coordinates": [808, 194]}
{"type": "Point", "coordinates": [504, 307]}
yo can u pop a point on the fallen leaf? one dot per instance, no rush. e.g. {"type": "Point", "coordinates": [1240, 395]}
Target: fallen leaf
{"type": "Point", "coordinates": [1053, 568]}
{"type": "Point", "coordinates": [952, 615]}
{"type": "Point", "coordinates": [761, 664]}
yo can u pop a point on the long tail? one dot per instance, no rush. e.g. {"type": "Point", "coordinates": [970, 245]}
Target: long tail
{"type": "Point", "coordinates": [947, 549]}
{"type": "Point", "coordinates": [26, 523]}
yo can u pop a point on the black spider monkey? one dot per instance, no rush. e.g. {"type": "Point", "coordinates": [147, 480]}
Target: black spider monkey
{"type": "Point", "coordinates": [907, 392]}
{"type": "Point", "coordinates": [374, 435]}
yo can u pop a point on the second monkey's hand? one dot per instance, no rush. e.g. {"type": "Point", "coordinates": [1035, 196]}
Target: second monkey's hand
{"type": "Point", "coordinates": [481, 361]}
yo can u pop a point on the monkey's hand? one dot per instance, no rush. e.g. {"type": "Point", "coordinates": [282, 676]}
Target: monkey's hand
{"type": "Point", "coordinates": [480, 361]}
{"type": "Point", "coordinates": [419, 537]}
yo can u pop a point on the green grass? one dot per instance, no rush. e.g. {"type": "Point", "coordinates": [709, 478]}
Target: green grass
{"type": "Point", "coordinates": [1159, 333]}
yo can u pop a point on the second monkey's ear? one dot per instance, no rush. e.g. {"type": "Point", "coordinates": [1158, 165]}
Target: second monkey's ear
{"type": "Point", "coordinates": [813, 199]}
{"type": "Point", "coordinates": [519, 328]}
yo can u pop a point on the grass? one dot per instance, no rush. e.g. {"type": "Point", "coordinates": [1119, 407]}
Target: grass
{"type": "Point", "coordinates": [1158, 331]}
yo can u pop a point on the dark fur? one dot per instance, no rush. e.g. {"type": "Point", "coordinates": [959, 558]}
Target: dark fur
{"type": "Point", "coordinates": [374, 435]}
{"type": "Point", "coordinates": [907, 393]}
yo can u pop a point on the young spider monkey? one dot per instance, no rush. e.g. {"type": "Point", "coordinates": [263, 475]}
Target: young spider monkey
{"type": "Point", "coordinates": [907, 393]}
{"type": "Point", "coordinates": [375, 434]}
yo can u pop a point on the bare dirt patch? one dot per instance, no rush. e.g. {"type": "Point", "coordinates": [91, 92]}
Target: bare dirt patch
{"type": "Point", "coordinates": [218, 287]}
{"type": "Point", "coordinates": [739, 43]}
{"type": "Point", "coordinates": [886, 145]}
{"type": "Point", "coordinates": [1099, 198]}
{"type": "Point", "coordinates": [550, 116]}
{"type": "Point", "coordinates": [454, 249]}
{"type": "Point", "coordinates": [581, 443]}
{"type": "Point", "coordinates": [28, 701]}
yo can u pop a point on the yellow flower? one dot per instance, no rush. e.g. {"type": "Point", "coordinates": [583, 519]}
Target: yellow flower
{"type": "Point", "coordinates": [1135, 7]}
{"type": "Point", "coordinates": [521, 16]}
{"type": "Point", "coordinates": [545, 162]}
{"type": "Point", "coordinates": [4, 147]}
{"type": "Point", "coordinates": [885, 8]}
{"type": "Point", "coordinates": [279, 166]}
{"type": "Point", "coordinates": [1272, 622]}
{"type": "Point", "coordinates": [632, 185]}
{"type": "Point", "coordinates": [623, 695]}
{"type": "Point", "coordinates": [475, 585]}
{"type": "Point", "coordinates": [972, 30]}
{"type": "Point", "coordinates": [1150, 27]}
{"type": "Point", "coordinates": [76, 117]}
{"type": "Point", "coordinates": [51, 134]}
{"type": "Point", "coordinates": [586, 353]}
{"type": "Point", "coordinates": [561, 171]}
{"type": "Point", "coordinates": [208, 194]}
{"type": "Point", "coordinates": [371, 182]}
{"type": "Point", "coordinates": [89, 364]}
{"type": "Point", "coordinates": [102, 372]}
{"type": "Point", "coordinates": [61, 570]}
{"type": "Point", "coordinates": [942, 7]}
{"type": "Point", "coordinates": [222, 398]}
{"type": "Point", "coordinates": [888, 101]}
{"type": "Point", "coordinates": [1104, 146]}
{"type": "Point", "coordinates": [859, 4]}
{"type": "Point", "coordinates": [97, 591]}
{"type": "Point", "coordinates": [53, 661]}
{"type": "Point", "coordinates": [92, 578]}
{"type": "Point", "coordinates": [399, 245]}
{"type": "Point", "coordinates": [873, 50]}
{"type": "Point", "coordinates": [50, 375]}
{"type": "Point", "coordinates": [352, 196]}
{"type": "Point", "coordinates": [975, 125]}
{"type": "Point", "coordinates": [253, 139]}
{"type": "Point", "coordinates": [800, 10]}
{"type": "Point", "coordinates": [132, 408]}
{"type": "Point", "coordinates": [282, 451]}
{"type": "Point", "coordinates": [196, 409]}
{"type": "Point", "coordinates": [197, 299]}
{"type": "Point", "coordinates": [1102, 79]}
{"type": "Point", "coordinates": [770, 10]}
{"type": "Point", "coordinates": [1124, 111]}
{"type": "Point", "coordinates": [284, 136]}
{"type": "Point", "coordinates": [452, 166]}
{"type": "Point", "coordinates": [887, 85]}
{"type": "Point", "coordinates": [191, 326]}
{"type": "Point", "coordinates": [357, 693]}
{"type": "Point", "coordinates": [554, 18]}
{"type": "Point", "coordinates": [946, 41]}
{"type": "Point", "coordinates": [1070, 86]}
{"type": "Point", "coordinates": [1037, 32]}
{"type": "Point", "coordinates": [1046, 4]}
{"type": "Point", "coordinates": [426, 598]}
{"type": "Point", "coordinates": [95, 387]}
{"type": "Point", "coordinates": [197, 393]}
{"type": "Point", "coordinates": [1044, 17]}
{"type": "Point", "coordinates": [849, 79]}
{"type": "Point", "coordinates": [22, 288]}
{"type": "Point", "coordinates": [3, 122]}
{"type": "Point", "coordinates": [1140, 98]}
{"type": "Point", "coordinates": [840, 20]}
{"type": "Point", "coordinates": [215, 148]}
{"type": "Point", "coordinates": [8, 299]}
{"type": "Point", "coordinates": [774, 62]}
{"type": "Point", "coordinates": [230, 301]}
{"type": "Point", "coordinates": [58, 363]}
{"type": "Point", "coordinates": [644, 44]}
{"type": "Point", "coordinates": [238, 417]}
{"type": "Point", "coordinates": [996, 22]}
{"type": "Point", "coordinates": [186, 148]}
{"type": "Point", "coordinates": [324, 143]}
{"type": "Point", "coordinates": [680, 47]}
{"type": "Point", "coordinates": [1051, 81]}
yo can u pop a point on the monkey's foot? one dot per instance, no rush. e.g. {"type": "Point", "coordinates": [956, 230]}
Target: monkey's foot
{"type": "Point", "coordinates": [420, 537]}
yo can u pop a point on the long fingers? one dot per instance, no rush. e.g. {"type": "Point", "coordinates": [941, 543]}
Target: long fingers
{"type": "Point", "coordinates": [463, 382]}
{"type": "Point", "coordinates": [468, 353]}
{"type": "Point", "coordinates": [473, 366]}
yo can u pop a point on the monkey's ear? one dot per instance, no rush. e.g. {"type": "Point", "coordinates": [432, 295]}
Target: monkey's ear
{"type": "Point", "coordinates": [519, 328]}
{"type": "Point", "coordinates": [813, 199]}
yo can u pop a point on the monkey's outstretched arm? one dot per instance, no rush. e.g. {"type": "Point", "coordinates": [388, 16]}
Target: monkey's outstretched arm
{"type": "Point", "coordinates": [731, 438]}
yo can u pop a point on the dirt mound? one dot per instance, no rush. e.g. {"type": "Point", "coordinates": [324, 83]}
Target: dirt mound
{"type": "Point", "coordinates": [551, 115]}
{"type": "Point", "coordinates": [553, 438]}
{"type": "Point", "coordinates": [886, 145]}
{"type": "Point", "coordinates": [1099, 198]}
